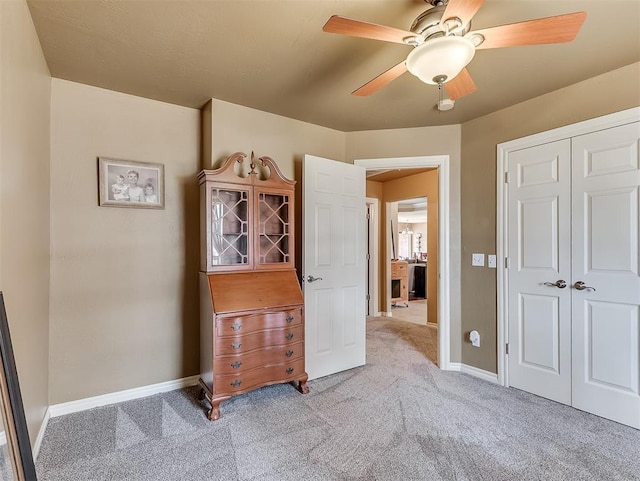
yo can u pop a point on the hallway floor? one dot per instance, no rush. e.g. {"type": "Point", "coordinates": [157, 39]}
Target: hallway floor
{"type": "Point", "coordinates": [416, 312]}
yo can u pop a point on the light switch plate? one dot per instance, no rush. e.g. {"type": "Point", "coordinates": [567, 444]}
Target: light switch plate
{"type": "Point", "coordinates": [491, 261]}
{"type": "Point", "coordinates": [477, 259]}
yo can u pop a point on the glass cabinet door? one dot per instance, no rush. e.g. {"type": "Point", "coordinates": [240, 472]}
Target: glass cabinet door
{"type": "Point", "coordinates": [274, 228]}
{"type": "Point", "coordinates": [229, 227]}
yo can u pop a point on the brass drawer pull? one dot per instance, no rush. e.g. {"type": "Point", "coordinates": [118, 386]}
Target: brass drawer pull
{"type": "Point", "coordinates": [235, 326]}
{"type": "Point", "coordinates": [236, 364]}
{"type": "Point", "coordinates": [236, 383]}
{"type": "Point", "coordinates": [289, 336]}
{"type": "Point", "coordinates": [236, 345]}
{"type": "Point", "coordinates": [289, 370]}
{"type": "Point", "coordinates": [288, 353]}
{"type": "Point", "coordinates": [289, 319]}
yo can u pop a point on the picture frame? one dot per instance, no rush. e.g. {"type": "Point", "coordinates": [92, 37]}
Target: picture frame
{"type": "Point", "coordinates": [16, 457]}
{"type": "Point", "coordinates": [129, 183]}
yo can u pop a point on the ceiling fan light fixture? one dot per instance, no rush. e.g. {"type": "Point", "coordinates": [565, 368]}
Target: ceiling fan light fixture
{"type": "Point", "coordinates": [439, 58]}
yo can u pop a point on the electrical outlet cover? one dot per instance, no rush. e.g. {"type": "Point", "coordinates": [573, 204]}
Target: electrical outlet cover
{"type": "Point", "coordinates": [477, 259]}
{"type": "Point", "coordinates": [491, 261]}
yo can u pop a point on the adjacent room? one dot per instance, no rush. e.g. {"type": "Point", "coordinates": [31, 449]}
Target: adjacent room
{"type": "Point", "coordinates": [332, 240]}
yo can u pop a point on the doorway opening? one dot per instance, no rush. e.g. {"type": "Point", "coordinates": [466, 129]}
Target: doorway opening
{"type": "Point", "coordinates": [408, 236]}
{"type": "Point", "coordinates": [443, 287]}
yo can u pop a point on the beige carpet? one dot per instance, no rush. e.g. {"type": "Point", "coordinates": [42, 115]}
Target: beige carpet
{"type": "Point", "coordinates": [416, 313]}
{"type": "Point", "coordinates": [398, 418]}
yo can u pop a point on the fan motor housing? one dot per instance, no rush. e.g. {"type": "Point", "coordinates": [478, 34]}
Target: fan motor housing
{"type": "Point", "coordinates": [427, 24]}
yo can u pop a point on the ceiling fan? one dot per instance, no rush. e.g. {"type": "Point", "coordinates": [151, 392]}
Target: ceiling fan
{"type": "Point", "coordinates": [444, 43]}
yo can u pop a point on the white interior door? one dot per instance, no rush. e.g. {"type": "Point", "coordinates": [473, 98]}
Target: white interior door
{"type": "Point", "coordinates": [334, 265]}
{"type": "Point", "coordinates": [573, 216]}
{"type": "Point", "coordinates": [606, 199]}
{"type": "Point", "coordinates": [540, 270]}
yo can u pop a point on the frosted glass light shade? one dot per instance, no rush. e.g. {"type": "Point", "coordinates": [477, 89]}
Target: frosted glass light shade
{"type": "Point", "coordinates": [443, 56]}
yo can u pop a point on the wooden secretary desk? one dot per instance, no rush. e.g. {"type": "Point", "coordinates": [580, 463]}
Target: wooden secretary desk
{"type": "Point", "coordinates": [251, 307]}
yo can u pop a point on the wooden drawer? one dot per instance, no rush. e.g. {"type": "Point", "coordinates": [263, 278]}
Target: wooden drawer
{"type": "Point", "coordinates": [399, 269]}
{"type": "Point", "coordinates": [257, 340]}
{"type": "Point", "coordinates": [247, 380]}
{"type": "Point", "coordinates": [246, 323]}
{"type": "Point", "coordinates": [263, 357]}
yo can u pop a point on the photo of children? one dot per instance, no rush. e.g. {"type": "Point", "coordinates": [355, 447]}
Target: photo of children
{"type": "Point", "coordinates": [131, 184]}
{"type": "Point", "coordinates": [120, 189]}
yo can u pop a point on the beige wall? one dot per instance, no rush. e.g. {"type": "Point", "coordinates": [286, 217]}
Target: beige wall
{"type": "Point", "coordinates": [237, 128]}
{"type": "Point", "coordinates": [124, 302]}
{"type": "Point", "coordinates": [611, 92]}
{"type": "Point", "coordinates": [25, 93]}
{"type": "Point", "coordinates": [374, 189]}
{"type": "Point", "coordinates": [424, 141]}
{"type": "Point", "coordinates": [419, 185]}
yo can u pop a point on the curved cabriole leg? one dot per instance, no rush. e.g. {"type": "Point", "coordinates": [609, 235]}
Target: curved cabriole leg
{"type": "Point", "coordinates": [214, 412]}
{"type": "Point", "coordinates": [302, 385]}
{"type": "Point", "coordinates": [303, 388]}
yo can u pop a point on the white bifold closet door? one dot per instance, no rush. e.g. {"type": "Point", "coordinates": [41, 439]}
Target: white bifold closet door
{"type": "Point", "coordinates": [574, 274]}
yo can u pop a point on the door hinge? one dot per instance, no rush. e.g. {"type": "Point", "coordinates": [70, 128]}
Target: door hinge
{"type": "Point", "coordinates": [368, 296]}
{"type": "Point", "coordinates": [506, 177]}
{"type": "Point", "coordinates": [506, 262]}
{"type": "Point", "coordinates": [507, 348]}
{"type": "Point", "coordinates": [368, 256]}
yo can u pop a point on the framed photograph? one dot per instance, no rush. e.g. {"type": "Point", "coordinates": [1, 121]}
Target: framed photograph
{"type": "Point", "coordinates": [126, 183]}
{"type": "Point", "coordinates": [16, 458]}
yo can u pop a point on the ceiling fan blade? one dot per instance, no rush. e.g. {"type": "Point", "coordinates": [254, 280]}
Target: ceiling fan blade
{"type": "Point", "coordinates": [381, 80]}
{"type": "Point", "coordinates": [357, 28]}
{"type": "Point", "coordinates": [560, 29]}
{"type": "Point", "coordinates": [462, 9]}
{"type": "Point", "coordinates": [461, 85]}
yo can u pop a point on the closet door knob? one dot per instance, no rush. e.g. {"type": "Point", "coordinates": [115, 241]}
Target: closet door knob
{"type": "Point", "coordinates": [560, 284]}
{"type": "Point", "coordinates": [581, 286]}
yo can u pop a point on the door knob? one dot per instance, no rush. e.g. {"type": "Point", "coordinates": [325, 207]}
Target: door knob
{"type": "Point", "coordinates": [560, 284]}
{"type": "Point", "coordinates": [313, 279]}
{"type": "Point", "coordinates": [581, 286]}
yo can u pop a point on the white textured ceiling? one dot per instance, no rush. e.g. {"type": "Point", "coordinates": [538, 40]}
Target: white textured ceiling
{"type": "Point", "coordinates": [272, 55]}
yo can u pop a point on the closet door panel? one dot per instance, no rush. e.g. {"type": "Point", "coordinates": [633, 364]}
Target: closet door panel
{"type": "Point", "coordinates": [606, 281]}
{"type": "Point", "coordinates": [539, 252]}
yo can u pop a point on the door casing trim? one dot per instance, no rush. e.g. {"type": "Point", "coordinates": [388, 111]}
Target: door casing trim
{"type": "Point", "coordinates": [374, 228]}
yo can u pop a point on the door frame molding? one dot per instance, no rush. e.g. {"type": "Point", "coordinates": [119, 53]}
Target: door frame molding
{"type": "Point", "coordinates": [502, 224]}
{"type": "Point", "coordinates": [441, 162]}
{"type": "Point", "coordinates": [374, 228]}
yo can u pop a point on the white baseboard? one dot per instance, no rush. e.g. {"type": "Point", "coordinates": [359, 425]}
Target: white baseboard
{"type": "Point", "coordinates": [40, 436]}
{"type": "Point", "coordinates": [432, 324]}
{"type": "Point", "coordinates": [120, 396]}
{"type": "Point", "coordinates": [474, 371]}
{"type": "Point", "coordinates": [386, 314]}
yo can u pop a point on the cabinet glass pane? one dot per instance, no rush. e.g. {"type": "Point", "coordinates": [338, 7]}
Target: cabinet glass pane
{"type": "Point", "coordinates": [273, 211]}
{"type": "Point", "coordinates": [229, 227]}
